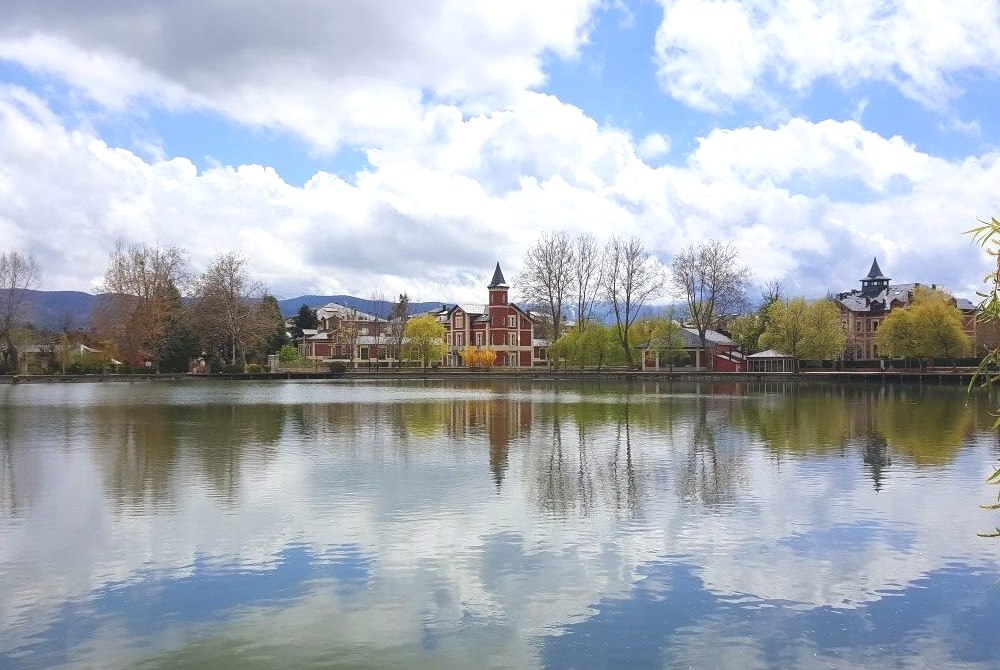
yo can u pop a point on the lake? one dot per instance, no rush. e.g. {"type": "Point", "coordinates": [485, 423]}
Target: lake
{"type": "Point", "coordinates": [472, 525]}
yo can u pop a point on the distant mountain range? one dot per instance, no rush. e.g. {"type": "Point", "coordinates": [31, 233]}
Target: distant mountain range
{"type": "Point", "coordinates": [53, 310]}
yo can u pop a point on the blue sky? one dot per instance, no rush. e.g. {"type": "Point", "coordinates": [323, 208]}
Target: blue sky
{"type": "Point", "coordinates": [353, 147]}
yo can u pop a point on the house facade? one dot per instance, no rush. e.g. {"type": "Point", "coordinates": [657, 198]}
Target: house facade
{"type": "Point", "coordinates": [349, 335]}
{"type": "Point", "coordinates": [499, 325]}
{"type": "Point", "coordinates": [863, 311]}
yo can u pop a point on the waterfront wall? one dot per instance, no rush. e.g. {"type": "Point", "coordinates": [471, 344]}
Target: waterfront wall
{"type": "Point", "coordinates": [867, 377]}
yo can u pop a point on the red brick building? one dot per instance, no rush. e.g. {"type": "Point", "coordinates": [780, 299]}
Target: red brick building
{"type": "Point", "coordinates": [499, 325]}
{"type": "Point", "coordinates": [863, 311]}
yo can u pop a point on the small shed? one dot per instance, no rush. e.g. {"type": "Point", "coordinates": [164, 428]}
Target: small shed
{"type": "Point", "coordinates": [770, 361]}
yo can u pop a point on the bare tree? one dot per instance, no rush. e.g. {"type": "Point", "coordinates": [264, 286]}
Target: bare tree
{"type": "Point", "coordinates": [631, 277]}
{"type": "Point", "coordinates": [548, 278]}
{"type": "Point", "coordinates": [772, 293]}
{"type": "Point", "coordinates": [18, 275]}
{"type": "Point", "coordinates": [397, 326]}
{"type": "Point", "coordinates": [713, 282]}
{"type": "Point", "coordinates": [140, 287]}
{"type": "Point", "coordinates": [586, 276]}
{"type": "Point", "coordinates": [380, 311]}
{"type": "Point", "coordinates": [228, 304]}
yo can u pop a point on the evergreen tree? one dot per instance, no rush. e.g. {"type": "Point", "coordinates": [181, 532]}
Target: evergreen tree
{"type": "Point", "coordinates": [305, 319]}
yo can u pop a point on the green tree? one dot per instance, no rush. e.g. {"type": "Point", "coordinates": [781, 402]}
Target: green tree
{"type": "Point", "coordinates": [180, 342]}
{"type": "Point", "coordinates": [304, 319]}
{"type": "Point", "coordinates": [660, 335]}
{"type": "Point", "coordinates": [270, 311]}
{"type": "Point", "coordinates": [804, 330]}
{"type": "Point", "coordinates": [746, 329]}
{"type": "Point", "coordinates": [600, 345]}
{"type": "Point", "coordinates": [897, 336]}
{"type": "Point", "coordinates": [289, 354]}
{"type": "Point", "coordinates": [595, 346]}
{"type": "Point", "coordinates": [272, 322]}
{"type": "Point", "coordinates": [930, 327]}
{"type": "Point", "coordinates": [423, 339]}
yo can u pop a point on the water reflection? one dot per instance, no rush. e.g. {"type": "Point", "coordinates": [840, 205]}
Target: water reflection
{"type": "Point", "coordinates": [509, 525]}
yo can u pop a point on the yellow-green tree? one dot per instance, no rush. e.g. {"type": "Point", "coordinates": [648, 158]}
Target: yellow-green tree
{"type": "Point", "coordinates": [595, 345]}
{"type": "Point", "coordinates": [659, 335]}
{"type": "Point", "coordinates": [897, 336]}
{"type": "Point", "coordinates": [423, 340]}
{"type": "Point", "coordinates": [931, 327]}
{"type": "Point", "coordinates": [804, 330]}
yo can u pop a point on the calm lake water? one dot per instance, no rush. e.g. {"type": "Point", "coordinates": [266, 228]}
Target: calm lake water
{"type": "Point", "coordinates": [480, 525]}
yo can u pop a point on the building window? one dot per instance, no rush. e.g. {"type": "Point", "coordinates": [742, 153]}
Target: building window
{"type": "Point", "coordinates": [460, 321]}
{"type": "Point", "coordinates": [459, 339]}
{"type": "Point", "coordinates": [512, 321]}
{"type": "Point", "coordinates": [874, 325]}
{"type": "Point", "coordinates": [479, 339]}
{"type": "Point", "coordinates": [512, 339]}
{"type": "Point", "coordinates": [857, 353]}
{"type": "Point", "coordinates": [857, 326]}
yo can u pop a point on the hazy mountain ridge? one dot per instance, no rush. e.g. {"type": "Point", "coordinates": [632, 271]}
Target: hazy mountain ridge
{"type": "Point", "coordinates": [53, 310]}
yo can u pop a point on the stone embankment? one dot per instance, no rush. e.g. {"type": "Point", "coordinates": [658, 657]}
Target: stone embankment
{"type": "Point", "coordinates": [888, 377]}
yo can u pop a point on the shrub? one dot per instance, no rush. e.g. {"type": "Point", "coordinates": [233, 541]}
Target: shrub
{"type": "Point", "coordinates": [338, 367]}
{"type": "Point", "coordinates": [253, 367]}
{"type": "Point", "coordinates": [289, 354]}
{"type": "Point", "coordinates": [233, 369]}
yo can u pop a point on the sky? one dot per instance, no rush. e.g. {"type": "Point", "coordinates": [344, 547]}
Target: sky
{"type": "Point", "coordinates": [377, 147]}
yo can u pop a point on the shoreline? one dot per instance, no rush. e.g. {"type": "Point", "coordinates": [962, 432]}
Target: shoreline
{"type": "Point", "coordinates": [535, 376]}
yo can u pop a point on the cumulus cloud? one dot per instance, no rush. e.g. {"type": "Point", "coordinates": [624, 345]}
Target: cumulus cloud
{"type": "Point", "coordinates": [713, 53]}
{"type": "Point", "coordinates": [329, 72]}
{"type": "Point", "coordinates": [653, 146]}
{"type": "Point", "coordinates": [807, 202]}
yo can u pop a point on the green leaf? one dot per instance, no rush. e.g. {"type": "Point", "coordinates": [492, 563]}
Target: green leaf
{"type": "Point", "coordinates": [994, 478]}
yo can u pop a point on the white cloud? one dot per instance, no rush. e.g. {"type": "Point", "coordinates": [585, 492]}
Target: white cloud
{"type": "Point", "coordinates": [971, 128]}
{"type": "Point", "coordinates": [807, 202]}
{"type": "Point", "coordinates": [329, 72]}
{"type": "Point", "coordinates": [653, 146]}
{"type": "Point", "coordinates": [711, 53]}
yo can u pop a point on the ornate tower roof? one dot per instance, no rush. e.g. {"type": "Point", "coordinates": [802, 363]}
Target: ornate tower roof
{"type": "Point", "coordinates": [498, 281]}
{"type": "Point", "coordinates": [875, 273]}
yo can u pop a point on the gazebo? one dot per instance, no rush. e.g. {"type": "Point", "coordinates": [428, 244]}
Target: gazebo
{"type": "Point", "coordinates": [770, 361]}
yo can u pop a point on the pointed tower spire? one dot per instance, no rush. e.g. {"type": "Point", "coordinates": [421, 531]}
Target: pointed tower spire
{"type": "Point", "coordinates": [498, 281]}
{"type": "Point", "coordinates": [875, 282]}
{"type": "Point", "coordinates": [876, 271]}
